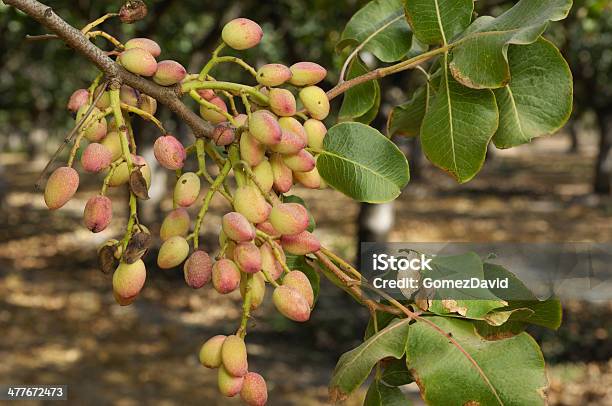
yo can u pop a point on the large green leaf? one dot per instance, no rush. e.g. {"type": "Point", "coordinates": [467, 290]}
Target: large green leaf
{"type": "Point", "coordinates": [362, 163]}
{"type": "Point", "coordinates": [538, 99]}
{"type": "Point", "coordinates": [458, 126]}
{"type": "Point", "coordinates": [360, 99]}
{"type": "Point", "coordinates": [512, 370]}
{"type": "Point", "coordinates": [472, 303]}
{"type": "Point", "coordinates": [438, 21]}
{"type": "Point", "coordinates": [381, 395]}
{"type": "Point", "coordinates": [354, 366]}
{"type": "Point", "coordinates": [406, 118]}
{"type": "Point", "coordinates": [396, 373]}
{"type": "Point", "coordinates": [480, 57]}
{"type": "Point", "coordinates": [382, 24]}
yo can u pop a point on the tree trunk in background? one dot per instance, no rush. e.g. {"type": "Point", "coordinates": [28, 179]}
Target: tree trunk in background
{"type": "Point", "coordinates": [573, 128]}
{"type": "Point", "coordinates": [374, 222]}
{"type": "Point", "coordinates": [603, 165]}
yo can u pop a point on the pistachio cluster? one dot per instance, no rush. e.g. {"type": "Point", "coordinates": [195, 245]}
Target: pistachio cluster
{"type": "Point", "coordinates": [267, 134]}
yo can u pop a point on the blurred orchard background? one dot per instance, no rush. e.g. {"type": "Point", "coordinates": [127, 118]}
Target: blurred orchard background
{"type": "Point", "coordinates": [59, 323]}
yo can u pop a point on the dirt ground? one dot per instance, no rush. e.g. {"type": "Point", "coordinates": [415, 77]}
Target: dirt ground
{"type": "Point", "coordinates": [59, 323]}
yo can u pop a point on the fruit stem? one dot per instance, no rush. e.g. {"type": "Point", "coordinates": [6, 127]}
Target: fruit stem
{"type": "Point", "coordinates": [264, 236]}
{"type": "Point", "coordinates": [211, 63]}
{"type": "Point", "coordinates": [109, 175]}
{"type": "Point", "coordinates": [246, 307]}
{"type": "Point", "coordinates": [235, 88]}
{"type": "Point", "coordinates": [206, 203]}
{"type": "Point", "coordinates": [144, 115]}
{"type": "Point", "coordinates": [234, 156]}
{"type": "Point", "coordinates": [238, 61]}
{"type": "Point", "coordinates": [107, 36]}
{"type": "Point", "coordinates": [97, 22]}
{"type": "Point", "coordinates": [201, 155]}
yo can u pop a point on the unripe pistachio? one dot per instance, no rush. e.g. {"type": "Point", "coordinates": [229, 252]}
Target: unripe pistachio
{"type": "Point", "coordinates": [254, 391]}
{"type": "Point", "coordinates": [61, 186]}
{"type": "Point", "coordinates": [79, 98]}
{"type": "Point", "coordinates": [289, 218]}
{"type": "Point", "coordinates": [128, 281]}
{"type": "Point", "coordinates": [138, 61]}
{"type": "Point", "coordinates": [315, 101]}
{"type": "Point", "coordinates": [210, 353]}
{"type": "Point", "coordinates": [237, 228]}
{"type": "Point", "coordinates": [307, 73]}
{"type": "Point", "coordinates": [144, 43]}
{"type": "Point", "coordinates": [121, 175]}
{"type": "Point", "coordinates": [258, 289]}
{"type": "Point", "coordinates": [172, 252]}
{"type": "Point", "coordinates": [316, 131]}
{"type": "Point", "coordinates": [264, 127]}
{"type": "Point", "coordinates": [247, 257]}
{"type": "Point", "coordinates": [269, 229]}
{"type": "Point", "coordinates": [269, 263]}
{"type": "Point", "coordinates": [112, 142]}
{"type": "Point", "coordinates": [104, 101]}
{"type": "Point", "coordinates": [229, 385]}
{"type": "Point", "coordinates": [273, 74]}
{"type": "Point", "coordinates": [283, 177]}
{"type": "Point", "coordinates": [229, 251]}
{"type": "Point", "coordinates": [291, 304]}
{"type": "Point", "coordinates": [291, 124]}
{"type": "Point", "coordinates": [282, 102]}
{"type": "Point", "coordinates": [94, 129]}
{"type": "Point", "coordinates": [187, 189]}
{"type": "Point", "coordinates": [197, 269]}
{"type": "Point", "coordinates": [96, 157]}
{"type": "Point", "coordinates": [225, 276]}
{"type": "Point", "coordinates": [212, 115]}
{"type": "Point", "coordinates": [129, 96]}
{"type": "Point", "coordinates": [234, 356]}
{"type": "Point", "coordinates": [303, 161]}
{"type": "Point", "coordinates": [241, 33]}
{"type": "Point", "coordinates": [207, 94]}
{"type": "Point", "coordinates": [311, 179]}
{"type": "Point", "coordinates": [300, 244]}
{"type": "Point", "coordinates": [264, 175]}
{"type": "Point", "coordinates": [176, 223]}
{"type": "Point", "coordinates": [98, 213]}
{"type": "Point", "coordinates": [148, 104]}
{"type": "Point", "coordinates": [249, 202]}
{"type": "Point", "coordinates": [299, 281]}
{"type": "Point", "coordinates": [169, 152]}
{"type": "Point", "coordinates": [169, 73]}
{"type": "Point", "coordinates": [223, 134]}
{"type": "Point", "coordinates": [251, 150]}
{"type": "Point", "coordinates": [241, 120]}
{"type": "Point", "coordinates": [291, 143]}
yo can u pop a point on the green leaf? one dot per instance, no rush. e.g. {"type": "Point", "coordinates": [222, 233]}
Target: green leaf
{"type": "Point", "coordinates": [406, 118]}
{"type": "Point", "coordinates": [358, 100]}
{"type": "Point", "coordinates": [438, 21]}
{"type": "Point", "coordinates": [381, 395]}
{"type": "Point", "coordinates": [396, 373]}
{"type": "Point", "coordinates": [513, 367]}
{"type": "Point", "coordinates": [362, 163]}
{"type": "Point", "coordinates": [458, 126]}
{"type": "Point", "coordinates": [382, 24]}
{"type": "Point", "coordinates": [538, 99]}
{"type": "Point", "coordinates": [546, 313]}
{"type": "Point", "coordinates": [298, 263]}
{"type": "Point", "coordinates": [354, 366]}
{"type": "Point", "coordinates": [382, 320]}
{"type": "Point", "coordinates": [480, 57]}
{"type": "Point", "coordinates": [371, 114]}
{"type": "Point", "coordinates": [470, 303]}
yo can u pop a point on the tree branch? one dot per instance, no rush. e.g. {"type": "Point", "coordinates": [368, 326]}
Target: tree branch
{"type": "Point", "coordinates": [113, 71]}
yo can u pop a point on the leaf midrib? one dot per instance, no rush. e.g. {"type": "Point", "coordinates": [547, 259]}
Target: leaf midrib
{"type": "Point", "coordinates": [326, 152]}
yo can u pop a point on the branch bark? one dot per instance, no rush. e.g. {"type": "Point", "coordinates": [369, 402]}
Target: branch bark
{"type": "Point", "coordinates": [113, 71]}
